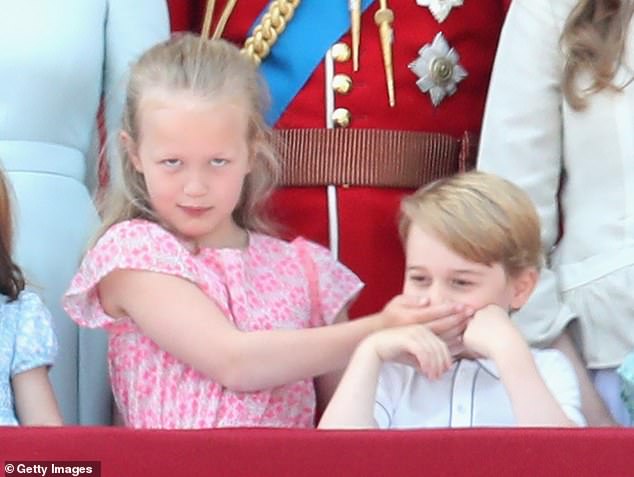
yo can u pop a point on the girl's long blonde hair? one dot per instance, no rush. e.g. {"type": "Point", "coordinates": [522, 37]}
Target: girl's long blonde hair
{"type": "Point", "coordinates": [212, 70]}
{"type": "Point", "coordinates": [11, 278]}
{"type": "Point", "coordinates": [594, 41]}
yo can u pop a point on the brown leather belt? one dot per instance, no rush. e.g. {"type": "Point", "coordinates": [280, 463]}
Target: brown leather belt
{"type": "Point", "coordinates": [371, 157]}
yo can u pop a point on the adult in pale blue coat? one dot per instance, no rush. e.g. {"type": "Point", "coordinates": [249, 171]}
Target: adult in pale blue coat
{"type": "Point", "coordinates": [58, 59]}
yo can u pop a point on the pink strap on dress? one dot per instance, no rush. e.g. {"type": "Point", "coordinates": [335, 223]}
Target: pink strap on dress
{"type": "Point", "coordinates": [313, 283]}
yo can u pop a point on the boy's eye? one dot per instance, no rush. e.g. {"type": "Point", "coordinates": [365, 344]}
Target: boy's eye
{"type": "Point", "coordinates": [419, 279]}
{"type": "Point", "coordinates": [171, 162]}
{"type": "Point", "coordinates": [461, 283]}
{"type": "Point", "coordinates": [217, 161]}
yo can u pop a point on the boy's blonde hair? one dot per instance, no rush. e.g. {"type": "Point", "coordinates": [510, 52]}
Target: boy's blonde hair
{"type": "Point", "coordinates": [480, 216]}
{"type": "Point", "coordinates": [212, 70]}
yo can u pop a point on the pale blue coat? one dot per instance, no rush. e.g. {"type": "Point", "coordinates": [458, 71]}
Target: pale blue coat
{"type": "Point", "coordinates": [57, 58]}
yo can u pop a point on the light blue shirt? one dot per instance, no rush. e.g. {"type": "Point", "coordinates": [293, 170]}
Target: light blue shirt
{"type": "Point", "coordinates": [27, 341]}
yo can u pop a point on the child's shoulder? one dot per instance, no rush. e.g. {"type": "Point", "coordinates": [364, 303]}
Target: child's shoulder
{"type": "Point", "coordinates": [26, 315]}
{"type": "Point", "coordinates": [26, 302]}
{"type": "Point", "coordinates": [136, 229]}
{"type": "Point", "coordinates": [285, 248]}
{"type": "Point", "coordinates": [139, 236]}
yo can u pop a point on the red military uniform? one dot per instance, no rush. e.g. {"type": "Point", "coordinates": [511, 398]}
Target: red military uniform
{"type": "Point", "coordinates": [357, 218]}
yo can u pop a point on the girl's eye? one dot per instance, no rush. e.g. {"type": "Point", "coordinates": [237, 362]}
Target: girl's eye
{"type": "Point", "coordinates": [171, 162]}
{"type": "Point", "coordinates": [218, 161]}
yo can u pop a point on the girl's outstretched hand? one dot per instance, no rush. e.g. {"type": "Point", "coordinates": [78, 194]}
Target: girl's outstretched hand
{"type": "Point", "coordinates": [447, 320]}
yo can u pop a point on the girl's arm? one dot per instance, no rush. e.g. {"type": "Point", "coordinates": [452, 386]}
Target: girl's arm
{"type": "Point", "coordinates": [183, 321]}
{"type": "Point", "coordinates": [326, 384]}
{"type": "Point", "coordinates": [35, 402]}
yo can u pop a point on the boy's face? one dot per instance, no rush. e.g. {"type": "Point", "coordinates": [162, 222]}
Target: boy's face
{"type": "Point", "coordinates": [436, 272]}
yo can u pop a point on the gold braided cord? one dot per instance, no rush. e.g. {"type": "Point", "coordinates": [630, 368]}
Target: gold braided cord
{"type": "Point", "coordinates": [265, 34]}
{"type": "Point", "coordinates": [209, 13]}
{"type": "Point", "coordinates": [224, 18]}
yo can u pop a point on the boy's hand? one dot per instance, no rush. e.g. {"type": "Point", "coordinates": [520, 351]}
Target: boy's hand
{"type": "Point", "coordinates": [414, 345]}
{"type": "Point", "coordinates": [447, 320]}
{"type": "Point", "coordinates": [491, 332]}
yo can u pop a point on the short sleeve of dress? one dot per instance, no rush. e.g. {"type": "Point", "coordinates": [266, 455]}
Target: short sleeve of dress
{"type": "Point", "coordinates": [333, 283]}
{"type": "Point", "coordinates": [35, 342]}
{"type": "Point", "coordinates": [130, 245]}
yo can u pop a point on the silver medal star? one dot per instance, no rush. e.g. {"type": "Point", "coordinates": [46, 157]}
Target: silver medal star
{"type": "Point", "coordinates": [438, 69]}
{"type": "Point", "coordinates": [440, 8]}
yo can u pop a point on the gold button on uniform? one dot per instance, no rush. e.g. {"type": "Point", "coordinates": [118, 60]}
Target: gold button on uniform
{"type": "Point", "coordinates": [340, 52]}
{"type": "Point", "coordinates": [341, 83]}
{"type": "Point", "coordinates": [341, 117]}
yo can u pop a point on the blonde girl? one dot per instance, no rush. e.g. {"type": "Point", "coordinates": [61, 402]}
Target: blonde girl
{"type": "Point", "coordinates": [212, 321]}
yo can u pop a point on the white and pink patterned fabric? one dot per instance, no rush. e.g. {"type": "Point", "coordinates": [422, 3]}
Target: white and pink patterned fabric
{"type": "Point", "coordinates": [265, 286]}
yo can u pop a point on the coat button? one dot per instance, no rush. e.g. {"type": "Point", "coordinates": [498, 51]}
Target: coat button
{"type": "Point", "coordinates": [341, 117]}
{"type": "Point", "coordinates": [340, 52]}
{"type": "Point", "coordinates": [341, 83]}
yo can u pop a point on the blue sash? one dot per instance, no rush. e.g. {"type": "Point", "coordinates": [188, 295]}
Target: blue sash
{"type": "Point", "coordinates": [315, 27]}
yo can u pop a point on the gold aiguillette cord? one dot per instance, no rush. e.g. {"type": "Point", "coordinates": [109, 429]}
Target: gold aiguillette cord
{"type": "Point", "coordinates": [384, 18]}
{"type": "Point", "coordinates": [222, 23]}
{"type": "Point", "coordinates": [355, 27]}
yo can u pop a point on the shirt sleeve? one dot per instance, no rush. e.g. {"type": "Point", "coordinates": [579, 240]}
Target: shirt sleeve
{"type": "Point", "coordinates": [335, 285]}
{"type": "Point", "coordinates": [522, 141]}
{"type": "Point", "coordinates": [35, 342]}
{"type": "Point", "coordinates": [561, 379]}
{"type": "Point", "coordinates": [130, 245]}
{"type": "Point", "coordinates": [389, 391]}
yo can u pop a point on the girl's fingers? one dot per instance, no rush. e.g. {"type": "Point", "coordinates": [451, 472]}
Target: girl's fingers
{"type": "Point", "coordinates": [453, 323]}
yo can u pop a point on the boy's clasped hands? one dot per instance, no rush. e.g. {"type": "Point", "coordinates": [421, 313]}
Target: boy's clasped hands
{"type": "Point", "coordinates": [444, 331]}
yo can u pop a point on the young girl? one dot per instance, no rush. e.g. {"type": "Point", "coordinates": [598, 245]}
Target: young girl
{"type": "Point", "coordinates": [27, 343]}
{"type": "Point", "coordinates": [206, 313]}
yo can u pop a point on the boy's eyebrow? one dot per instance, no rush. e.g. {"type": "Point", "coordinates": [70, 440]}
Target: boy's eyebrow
{"type": "Point", "coordinates": [415, 267]}
{"type": "Point", "coordinates": [467, 272]}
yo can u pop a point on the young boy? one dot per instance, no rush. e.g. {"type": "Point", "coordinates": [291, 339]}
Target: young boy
{"type": "Point", "coordinates": [473, 239]}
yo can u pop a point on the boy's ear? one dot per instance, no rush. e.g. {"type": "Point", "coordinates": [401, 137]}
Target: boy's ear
{"type": "Point", "coordinates": [131, 150]}
{"type": "Point", "coordinates": [523, 285]}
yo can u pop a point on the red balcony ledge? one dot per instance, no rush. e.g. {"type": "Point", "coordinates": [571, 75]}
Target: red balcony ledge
{"type": "Point", "coordinates": [304, 453]}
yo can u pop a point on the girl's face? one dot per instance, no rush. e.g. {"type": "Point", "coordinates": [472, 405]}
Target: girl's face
{"type": "Point", "coordinates": [436, 272]}
{"type": "Point", "coordinates": [194, 156]}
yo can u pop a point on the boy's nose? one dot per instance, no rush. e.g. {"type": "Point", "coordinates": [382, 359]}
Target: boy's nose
{"type": "Point", "coordinates": [437, 295]}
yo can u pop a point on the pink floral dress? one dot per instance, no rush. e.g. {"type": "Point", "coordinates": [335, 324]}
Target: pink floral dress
{"type": "Point", "coordinates": [272, 284]}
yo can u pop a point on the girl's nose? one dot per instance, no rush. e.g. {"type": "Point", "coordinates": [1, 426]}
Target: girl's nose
{"type": "Point", "coordinates": [195, 186]}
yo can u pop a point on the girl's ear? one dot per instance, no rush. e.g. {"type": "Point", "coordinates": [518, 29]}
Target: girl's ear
{"type": "Point", "coordinates": [523, 285]}
{"type": "Point", "coordinates": [131, 150]}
